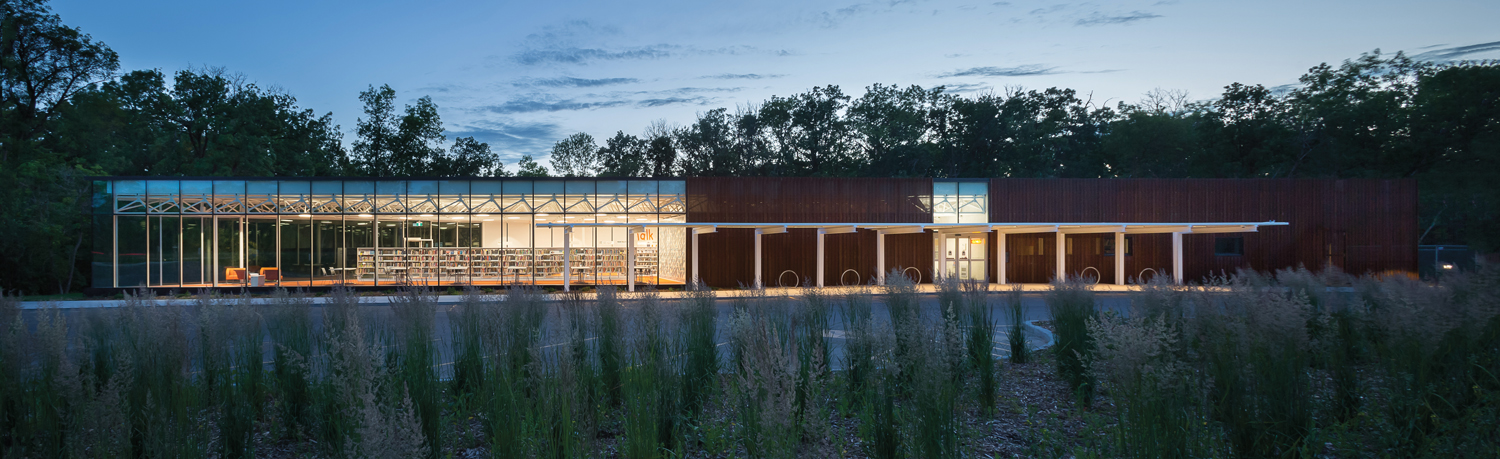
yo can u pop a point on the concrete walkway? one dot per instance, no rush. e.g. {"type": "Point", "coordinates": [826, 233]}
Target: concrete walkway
{"type": "Point", "coordinates": [452, 299]}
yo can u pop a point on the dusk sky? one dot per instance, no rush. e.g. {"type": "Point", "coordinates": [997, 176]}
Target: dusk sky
{"type": "Point", "coordinates": [522, 75]}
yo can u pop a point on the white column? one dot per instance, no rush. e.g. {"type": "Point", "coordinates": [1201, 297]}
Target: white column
{"type": "Point", "coordinates": [879, 258]}
{"type": "Point", "coordinates": [630, 258]}
{"type": "Point", "coordinates": [1062, 254]}
{"type": "Point", "coordinates": [942, 243]}
{"type": "Point", "coordinates": [758, 283]}
{"type": "Point", "coordinates": [1000, 259]}
{"type": "Point", "coordinates": [694, 233]}
{"type": "Point", "coordinates": [821, 233]}
{"type": "Point", "coordinates": [1177, 257]}
{"type": "Point", "coordinates": [1120, 258]}
{"type": "Point", "coordinates": [567, 258]}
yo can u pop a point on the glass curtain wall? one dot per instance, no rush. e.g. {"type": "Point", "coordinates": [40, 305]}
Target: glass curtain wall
{"type": "Point", "coordinates": [197, 233]}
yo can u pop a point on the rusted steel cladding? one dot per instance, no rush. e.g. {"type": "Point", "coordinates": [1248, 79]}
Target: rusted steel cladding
{"type": "Point", "coordinates": [809, 200]}
{"type": "Point", "coordinates": [1359, 225]}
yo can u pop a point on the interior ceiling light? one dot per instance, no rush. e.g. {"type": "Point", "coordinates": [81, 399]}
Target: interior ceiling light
{"type": "Point", "coordinates": [426, 215]}
{"type": "Point", "coordinates": [512, 218]}
{"type": "Point", "coordinates": [489, 219]}
{"type": "Point", "coordinates": [482, 215]}
{"type": "Point", "coordinates": [365, 215]}
{"type": "Point", "coordinates": [304, 215]}
{"type": "Point", "coordinates": [541, 215]}
{"type": "Point", "coordinates": [600, 214]}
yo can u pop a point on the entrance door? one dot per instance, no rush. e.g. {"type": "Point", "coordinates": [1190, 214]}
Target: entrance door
{"type": "Point", "coordinates": [965, 255]}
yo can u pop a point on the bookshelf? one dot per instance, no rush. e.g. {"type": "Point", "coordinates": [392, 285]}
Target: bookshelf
{"type": "Point", "coordinates": [427, 264]}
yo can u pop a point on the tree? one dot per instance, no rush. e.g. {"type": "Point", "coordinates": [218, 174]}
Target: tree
{"type": "Point", "coordinates": [576, 156]}
{"type": "Point", "coordinates": [624, 155]}
{"type": "Point", "coordinates": [42, 64]}
{"type": "Point", "coordinates": [661, 155]}
{"type": "Point", "coordinates": [412, 144]}
{"type": "Point", "coordinates": [895, 128]}
{"type": "Point", "coordinates": [530, 168]}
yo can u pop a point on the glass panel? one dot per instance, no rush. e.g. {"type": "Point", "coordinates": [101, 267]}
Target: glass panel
{"type": "Point", "coordinates": [328, 187]}
{"type": "Point", "coordinates": [359, 187]}
{"type": "Point", "coordinates": [611, 187]}
{"type": "Point", "coordinates": [162, 187]}
{"type": "Point", "coordinates": [359, 259]}
{"type": "Point", "coordinates": [295, 197]}
{"type": "Point", "coordinates": [197, 235]}
{"type": "Point", "coordinates": [642, 187]}
{"type": "Point", "coordinates": [547, 187]}
{"type": "Point", "coordinates": [260, 197]}
{"type": "Point", "coordinates": [328, 252]}
{"type": "Point", "coordinates": [229, 196]}
{"type": "Point", "coordinates": [579, 187]}
{"type": "Point", "coordinates": [197, 197]}
{"type": "Point", "coordinates": [296, 251]}
{"type": "Point", "coordinates": [295, 187]}
{"type": "Point", "coordinates": [944, 188]}
{"type": "Point", "coordinates": [132, 254]}
{"type": "Point", "coordinates": [390, 187]}
{"type": "Point", "coordinates": [230, 249]}
{"type": "Point", "coordinates": [422, 187]}
{"type": "Point", "coordinates": [104, 251]}
{"type": "Point", "coordinates": [102, 196]}
{"type": "Point", "coordinates": [164, 252]}
{"type": "Point", "coordinates": [130, 196]}
{"type": "Point", "coordinates": [677, 187]}
{"type": "Point", "coordinates": [260, 247]}
{"type": "Point", "coordinates": [486, 187]}
{"type": "Point", "coordinates": [358, 197]}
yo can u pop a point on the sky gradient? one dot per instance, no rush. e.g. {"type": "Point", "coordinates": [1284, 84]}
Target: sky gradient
{"type": "Point", "coordinates": [522, 75]}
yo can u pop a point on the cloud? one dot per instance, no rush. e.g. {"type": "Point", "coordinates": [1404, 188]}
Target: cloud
{"type": "Point", "coordinates": [543, 103]}
{"type": "Point", "coordinates": [570, 82]}
{"type": "Point", "coordinates": [571, 55]}
{"type": "Point", "coordinates": [674, 101]}
{"type": "Point", "coordinates": [966, 87]}
{"type": "Point", "coordinates": [741, 76]}
{"type": "Point", "coordinates": [1023, 70]}
{"type": "Point", "coordinates": [1108, 19]}
{"type": "Point", "coordinates": [1457, 52]}
{"type": "Point", "coordinates": [576, 55]}
{"type": "Point", "coordinates": [510, 138]}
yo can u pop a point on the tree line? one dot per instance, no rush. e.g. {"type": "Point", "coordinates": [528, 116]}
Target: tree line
{"type": "Point", "coordinates": [1375, 116]}
{"type": "Point", "coordinates": [67, 112]}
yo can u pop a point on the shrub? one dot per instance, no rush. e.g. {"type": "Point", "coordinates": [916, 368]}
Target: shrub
{"type": "Point", "coordinates": [1071, 303]}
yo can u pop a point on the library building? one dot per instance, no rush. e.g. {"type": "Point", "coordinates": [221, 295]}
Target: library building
{"type": "Point", "coordinates": [232, 232]}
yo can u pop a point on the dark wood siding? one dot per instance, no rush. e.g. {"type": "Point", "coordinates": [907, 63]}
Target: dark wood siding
{"type": "Point", "coordinates": [808, 200]}
{"type": "Point", "coordinates": [1358, 225]}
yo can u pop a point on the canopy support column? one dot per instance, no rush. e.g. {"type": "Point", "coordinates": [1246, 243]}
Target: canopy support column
{"type": "Point", "coordinates": [821, 234]}
{"type": "Point", "coordinates": [1119, 258]}
{"type": "Point", "coordinates": [1000, 258]}
{"type": "Point", "coordinates": [1062, 254]}
{"type": "Point", "coordinates": [567, 258]}
{"type": "Point", "coordinates": [879, 258]}
{"type": "Point", "coordinates": [758, 234]}
{"type": "Point", "coordinates": [694, 236]}
{"type": "Point", "coordinates": [942, 271]}
{"type": "Point", "coordinates": [630, 259]}
{"type": "Point", "coordinates": [1177, 257]}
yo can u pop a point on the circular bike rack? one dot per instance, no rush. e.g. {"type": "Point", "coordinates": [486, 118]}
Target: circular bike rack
{"type": "Point", "coordinates": [845, 274]}
{"type": "Point", "coordinates": [1096, 275]}
{"type": "Point", "coordinates": [782, 277]}
{"type": "Point", "coordinates": [914, 280]}
{"type": "Point", "coordinates": [1142, 278]}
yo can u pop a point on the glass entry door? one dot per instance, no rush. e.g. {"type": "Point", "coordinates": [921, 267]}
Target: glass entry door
{"type": "Point", "coordinates": [965, 254]}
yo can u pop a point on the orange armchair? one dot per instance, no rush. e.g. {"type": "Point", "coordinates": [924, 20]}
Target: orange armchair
{"type": "Point", "coordinates": [270, 275]}
{"type": "Point", "coordinates": [235, 274]}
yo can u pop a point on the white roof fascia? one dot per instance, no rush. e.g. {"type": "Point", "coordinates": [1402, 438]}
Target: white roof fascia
{"type": "Point", "coordinates": [1090, 229]}
{"type": "Point", "coordinates": [902, 229]}
{"type": "Point", "coordinates": [840, 229]}
{"type": "Point", "coordinates": [969, 228]}
{"type": "Point", "coordinates": [1024, 228]}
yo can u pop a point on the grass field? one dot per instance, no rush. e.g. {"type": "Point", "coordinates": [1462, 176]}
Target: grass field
{"type": "Point", "coordinates": [1261, 365]}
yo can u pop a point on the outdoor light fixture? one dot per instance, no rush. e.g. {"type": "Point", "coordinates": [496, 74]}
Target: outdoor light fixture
{"type": "Point", "coordinates": [1447, 265]}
